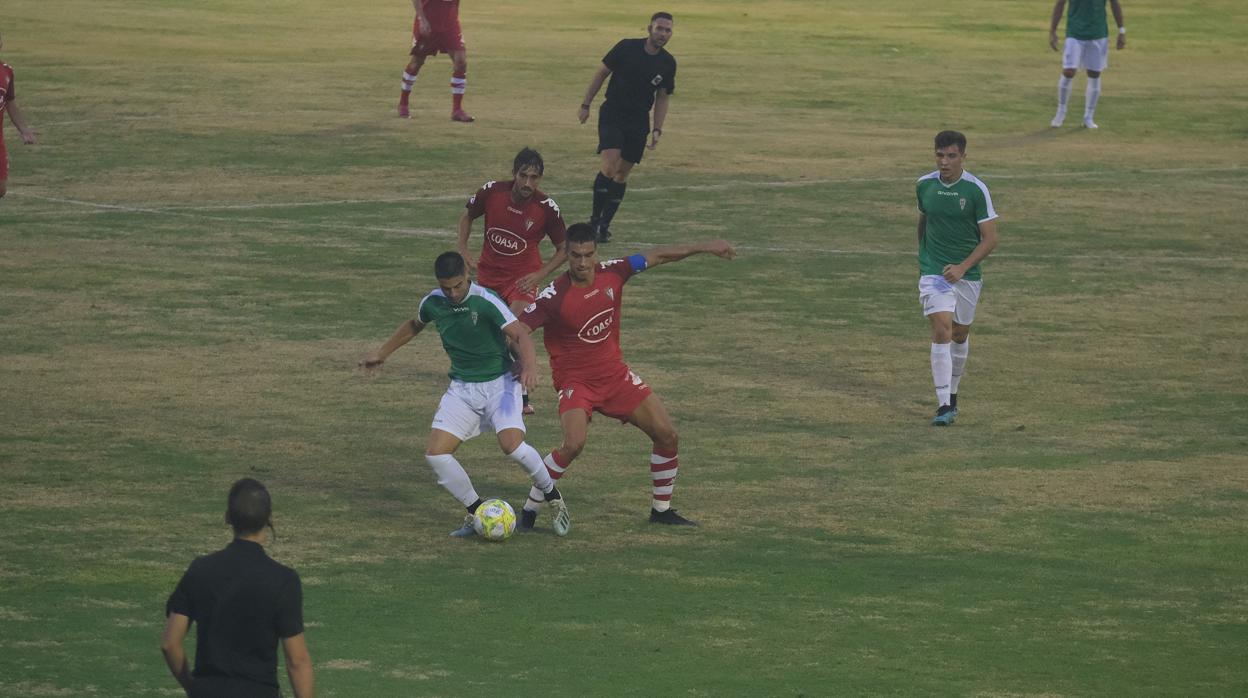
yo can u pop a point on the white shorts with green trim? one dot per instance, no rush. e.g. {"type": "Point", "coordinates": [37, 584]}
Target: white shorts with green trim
{"type": "Point", "coordinates": [1092, 54]}
{"type": "Point", "coordinates": [940, 296]}
{"type": "Point", "coordinates": [468, 408]}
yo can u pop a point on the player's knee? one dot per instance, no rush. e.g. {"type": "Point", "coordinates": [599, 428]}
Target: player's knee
{"type": "Point", "coordinates": [960, 334]}
{"type": "Point", "coordinates": [1070, 72]}
{"type": "Point", "coordinates": [1094, 73]}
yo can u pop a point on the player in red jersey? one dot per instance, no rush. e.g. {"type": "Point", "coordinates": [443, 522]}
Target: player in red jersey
{"type": "Point", "coordinates": [435, 31]}
{"type": "Point", "coordinates": [517, 216]}
{"type": "Point", "coordinates": [8, 103]}
{"type": "Point", "coordinates": [580, 312]}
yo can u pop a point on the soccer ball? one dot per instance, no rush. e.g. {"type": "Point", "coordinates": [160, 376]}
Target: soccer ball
{"type": "Point", "coordinates": [494, 520]}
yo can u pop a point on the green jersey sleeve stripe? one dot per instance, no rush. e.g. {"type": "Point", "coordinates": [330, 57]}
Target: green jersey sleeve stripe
{"type": "Point", "coordinates": [992, 212]}
{"type": "Point", "coordinates": [508, 316]}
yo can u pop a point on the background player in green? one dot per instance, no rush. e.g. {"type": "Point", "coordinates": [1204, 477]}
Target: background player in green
{"type": "Point", "coordinates": [1087, 46]}
{"type": "Point", "coordinates": [475, 324]}
{"type": "Point", "coordinates": [957, 230]}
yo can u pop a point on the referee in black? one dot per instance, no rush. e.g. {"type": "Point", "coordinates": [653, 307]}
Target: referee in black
{"type": "Point", "coordinates": [643, 75]}
{"type": "Point", "coordinates": [243, 602]}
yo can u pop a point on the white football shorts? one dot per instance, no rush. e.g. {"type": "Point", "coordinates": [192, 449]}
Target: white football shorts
{"type": "Point", "coordinates": [940, 296]}
{"type": "Point", "coordinates": [1088, 55]}
{"type": "Point", "coordinates": [468, 408]}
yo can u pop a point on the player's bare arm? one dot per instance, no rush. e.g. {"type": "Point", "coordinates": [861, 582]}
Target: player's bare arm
{"type": "Point", "coordinates": [675, 253]}
{"type": "Point", "coordinates": [595, 84]}
{"type": "Point", "coordinates": [401, 336]}
{"type": "Point", "coordinates": [1054, 21]}
{"type": "Point", "coordinates": [299, 666]}
{"type": "Point", "coordinates": [531, 282]}
{"type": "Point", "coordinates": [1116, 8]}
{"type": "Point", "coordinates": [922, 226]}
{"type": "Point", "coordinates": [661, 101]}
{"type": "Point", "coordinates": [420, 15]}
{"type": "Point", "coordinates": [518, 338]}
{"type": "Point", "coordinates": [987, 243]}
{"type": "Point", "coordinates": [176, 627]}
{"type": "Point", "coordinates": [19, 122]}
{"type": "Point", "coordinates": [461, 241]}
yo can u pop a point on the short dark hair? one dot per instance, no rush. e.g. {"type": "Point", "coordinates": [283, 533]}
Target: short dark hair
{"type": "Point", "coordinates": [249, 508]}
{"type": "Point", "coordinates": [528, 157]}
{"type": "Point", "coordinates": [661, 15]}
{"type": "Point", "coordinates": [581, 232]}
{"type": "Point", "coordinates": [944, 139]}
{"type": "Point", "coordinates": [448, 265]}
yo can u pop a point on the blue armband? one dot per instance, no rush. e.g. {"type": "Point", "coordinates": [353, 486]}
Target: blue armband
{"type": "Point", "coordinates": [637, 262]}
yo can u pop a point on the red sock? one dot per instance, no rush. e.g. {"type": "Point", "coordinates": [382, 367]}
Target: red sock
{"type": "Point", "coordinates": [663, 467]}
{"type": "Point", "coordinates": [555, 465]}
{"type": "Point", "coordinates": [459, 83]}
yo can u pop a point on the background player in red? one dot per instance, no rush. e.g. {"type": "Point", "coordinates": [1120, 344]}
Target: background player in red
{"type": "Point", "coordinates": [517, 216]}
{"type": "Point", "coordinates": [436, 30]}
{"type": "Point", "coordinates": [580, 312]}
{"type": "Point", "coordinates": [8, 103]}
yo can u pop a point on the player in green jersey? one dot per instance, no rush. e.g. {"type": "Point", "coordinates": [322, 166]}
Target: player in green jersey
{"type": "Point", "coordinates": [475, 326]}
{"type": "Point", "coordinates": [957, 230]}
{"type": "Point", "coordinates": [1087, 46]}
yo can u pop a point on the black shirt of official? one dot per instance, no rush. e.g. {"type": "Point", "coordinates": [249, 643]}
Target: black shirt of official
{"type": "Point", "coordinates": [243, 602]}
{"type": "Point", "coordinates": [636, 76]}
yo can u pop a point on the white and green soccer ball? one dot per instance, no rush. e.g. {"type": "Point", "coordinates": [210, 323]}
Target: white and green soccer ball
{"type": "Point", "coordinates": [494, 520]}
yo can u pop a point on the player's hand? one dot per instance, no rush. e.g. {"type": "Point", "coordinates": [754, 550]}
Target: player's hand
{"type": "Point", "coordinates": [582, 114]}
{"type": "Point", "coordinates": [528, 379]}
{"type": "Point", "coordinates": [370, 363]}
{"type": "Point", "coordinates": [469, 260]}
{"type": "Point", "coordinates": [1122, 41]}
{"type": "Point", "coordinates": [654, 139]}
{"type": "Point", "coordinates": [30, 135]}
{"type": "Point", "coordinates": [529, 282]}
{"type": "Point", "coordinates": [1053, 40]}
{"type": "Point", "coordinates": [721, 248]}
{"type": "Point", "coordinates": [953, 273]}
{"type": "Point", "coordinates": [422, 30]}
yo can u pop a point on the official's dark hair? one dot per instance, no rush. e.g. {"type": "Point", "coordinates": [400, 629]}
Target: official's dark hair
{"type": "Point", "coordinates": [448, 265]}
{"type": "Point", "coordinates": [249, 508]}
{"type": "Point", "coordinates": [944, 139]}
{"type": "Point", "coordinates": [661, 15]}
{"type": "Point", "coordinates": [528, 158]}
{"type": "Point", "coordinates": [581, 232]}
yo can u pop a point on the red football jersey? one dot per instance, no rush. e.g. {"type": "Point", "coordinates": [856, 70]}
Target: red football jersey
{"type": "Point", "coordinates": [513, 233]}
{"type": "Point", "coordinates": [442, 14]}
{"type": "Point", "coordinates": [6, 93]}
{"type": "Point", "coordinates": [582, 325]}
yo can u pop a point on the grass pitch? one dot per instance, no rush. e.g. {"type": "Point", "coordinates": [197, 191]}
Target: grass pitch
{"type": "Point", "coordinates": [224, 214]}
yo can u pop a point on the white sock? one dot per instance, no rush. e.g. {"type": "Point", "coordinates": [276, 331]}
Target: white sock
{"type": "Point", "coordinates": [536, 499]}
{"type": "Point", "coordinates": [942, 371]}
{"type": "Point", "coordinates": [531, 461]}
{"type": "Point", "coordinates": [1063, 93]}
{"type": "Point", "coordinates": [959, 353]}
{"type": "Point", "coordinates": [408, 81]}
{"type": "Point", "coordinates": [1091, 95]}
{"type": "Point", "coordinates": [453, 477]}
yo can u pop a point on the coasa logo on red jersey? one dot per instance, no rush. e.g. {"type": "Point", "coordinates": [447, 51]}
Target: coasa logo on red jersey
{"type": "Point", "coordinates": [505, 242]}
{"type": "Point", "coordinates": [598, 327]}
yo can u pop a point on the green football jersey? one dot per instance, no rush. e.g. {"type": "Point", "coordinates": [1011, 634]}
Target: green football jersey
{"type": "Point", "coordinates": [954, 212]}
{"type": "Point", "coordinates": [1085, 20]}
{"type": "Point", "coordinates": [472, 332]}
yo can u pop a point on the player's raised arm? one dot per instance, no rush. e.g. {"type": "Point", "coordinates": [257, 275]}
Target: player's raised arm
{"type": "Point", "coordinates": [595, 84]}
{"type": "Point", "coordinates": [675, 253]}
{"type": "Point", "coordinates": [401, 336]}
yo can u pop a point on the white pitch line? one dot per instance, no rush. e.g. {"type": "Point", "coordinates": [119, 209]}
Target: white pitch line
{"type": "Point", "coordinates": [722, 186]}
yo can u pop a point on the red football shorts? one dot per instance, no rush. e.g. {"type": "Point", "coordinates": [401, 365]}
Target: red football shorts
{"type": "Point", "coordinates": [615, 397]}
{"type": "Point", "coordinates": [508, 291]}
{"type": "Point", "coordinates": [441, 38]}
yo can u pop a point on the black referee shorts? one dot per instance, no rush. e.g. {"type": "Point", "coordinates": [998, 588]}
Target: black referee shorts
{"type": "Point", "coordinates": [628, 133]}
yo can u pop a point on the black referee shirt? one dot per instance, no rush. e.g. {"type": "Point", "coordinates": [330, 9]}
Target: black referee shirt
{"type": "Point", "coordinates": [636, 76]}
{"type": "Point", "coordinates": [243, 602]}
